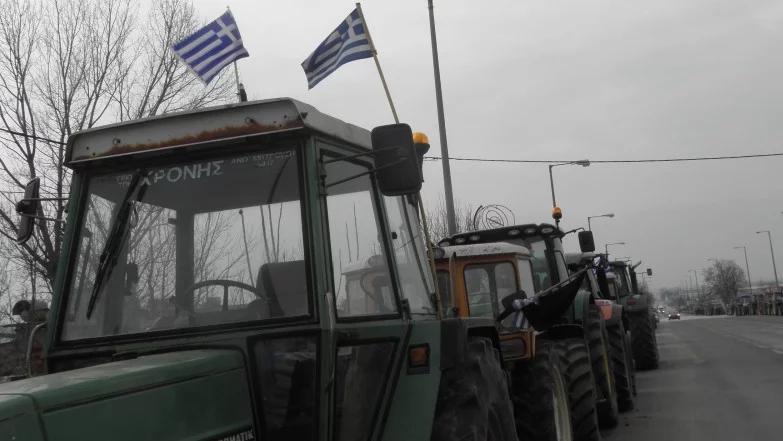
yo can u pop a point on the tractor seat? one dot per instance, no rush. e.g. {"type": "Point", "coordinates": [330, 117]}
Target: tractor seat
{"type": "Point", "coordinates": [285, 285]}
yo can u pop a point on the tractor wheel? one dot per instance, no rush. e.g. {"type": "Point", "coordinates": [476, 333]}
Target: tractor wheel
{"type": "Point", "coordinates": [643, 341]}
{"type": "Point", "coordinates": [575, 356]}
{"type": "Point", "coordinates": [601, 362]}
{"type": "Point", "coordinates": [631, 362]}
{"type": "Point", "coordinates": [538, 389]}
{"type": "Point", "coordinates": [473, 399]}
{"type": "Point", "coordinates": [622, 370]}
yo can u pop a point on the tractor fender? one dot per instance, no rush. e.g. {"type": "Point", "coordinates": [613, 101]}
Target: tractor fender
{"type": "Point", "coordinates": [616, 315]}
{"type": "Point", "coordinates": [636, 304]}
{"type": "Point", "coordinates": [455, 333]}
{"type": "Point", "coordinates": [560, 332]}
{"type": "Point", "coordinates": [581, 306]}
{"type": "Point", "coordinates": [612, 313]}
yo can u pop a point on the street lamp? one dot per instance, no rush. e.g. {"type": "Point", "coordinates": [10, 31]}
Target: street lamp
{"type": "Point", "coordinates": [589, 228]}
{"type": "Point", "coordinates": [606, 247]}
{"type": "Point", "coordinates": [774, 268]}
{"type": "Point", "coordinates": [747, 269]}
{"type": "Point", "coordinates": [583, 163]}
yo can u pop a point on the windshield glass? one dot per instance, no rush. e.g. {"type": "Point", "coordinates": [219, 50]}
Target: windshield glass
{"type": "Point", "coordinates": [621, 280]}
{"type": "Point", "coordinates": [487, 284]}
{"type": "Point", "coordinates": [538, 258]}
{"type": "Point", "coordinates": [207, 243]}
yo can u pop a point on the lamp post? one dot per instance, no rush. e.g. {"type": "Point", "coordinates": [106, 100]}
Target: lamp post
{"type": "Point", "coordinates": [444, 148]}
{"type": "Point", "coordinates": [774, 268]}
{"type": "Point", "coordinates": [747, 269]}
{"type": "Point", "coordinates": [589, 227]}
{"type": "Point", "coordinates": [583, 163]}
{"type": "Point", "coordinates": [696, 276]}
{"type": "Point", "coordinates": [606, 247]}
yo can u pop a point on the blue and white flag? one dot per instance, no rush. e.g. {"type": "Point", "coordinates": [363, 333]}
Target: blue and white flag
{"type": "Point", "coordinates": [349, 42]}
{"type": "Point", "coordinates": [211, 48]}
{"type": "Point", "coordinates": [519, 320]}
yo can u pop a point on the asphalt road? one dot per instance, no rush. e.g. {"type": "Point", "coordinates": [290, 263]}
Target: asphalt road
{"type": "Point", "coordinates": [720, 378]}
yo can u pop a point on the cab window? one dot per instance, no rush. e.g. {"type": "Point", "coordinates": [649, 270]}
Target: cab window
{"type": "Point", "coordinates": [486, 285]}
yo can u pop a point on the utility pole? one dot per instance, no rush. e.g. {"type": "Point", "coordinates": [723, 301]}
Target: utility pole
{"type": "Point", "coordinates": [444, 146]}
{"type": "Point", "coordinates": [747, 270]}
{"type": "Point", "coordinates": [772, 251]}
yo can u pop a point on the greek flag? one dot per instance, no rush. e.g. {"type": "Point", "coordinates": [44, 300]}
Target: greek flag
{"type": "Point", "coordinates": [349, 42]}
{"type": "Point", "coordinates": [211, 48]}
{"type": "Point", "coordinates": [519, 320]}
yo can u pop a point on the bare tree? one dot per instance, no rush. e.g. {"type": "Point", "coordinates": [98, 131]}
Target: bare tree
{"type": "Point", "coordinates": [69, 65]}
{"type": "Point", "coordinates": [724, 280]}
{"type": "Point", "coordinates": [438, 220]}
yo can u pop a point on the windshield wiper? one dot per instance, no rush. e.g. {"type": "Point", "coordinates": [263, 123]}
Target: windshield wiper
{"type": "Point", "coordinates": [117, 235]}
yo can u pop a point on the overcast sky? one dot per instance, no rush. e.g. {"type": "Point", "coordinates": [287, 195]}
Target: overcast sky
{"type": "Point", "coordinates": [568, 79]}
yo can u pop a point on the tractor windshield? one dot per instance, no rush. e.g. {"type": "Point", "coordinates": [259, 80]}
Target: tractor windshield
{"type": "Point", "coordinates": [206, 243]}
{"type": "Point", "coordinates": [623, 285]}
{"type": "Point", "coordinates": [548, 259]}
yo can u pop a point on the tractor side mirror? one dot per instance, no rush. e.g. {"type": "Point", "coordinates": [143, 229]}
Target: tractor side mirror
{"type": "Point", "coordinates": [27, 209]}
{"type": "Point", "coordinates": [397, 163]}
{"type": "Point", "coordinates": [649, 272]}
{"type": "Point", "coordinates": [586, 241]}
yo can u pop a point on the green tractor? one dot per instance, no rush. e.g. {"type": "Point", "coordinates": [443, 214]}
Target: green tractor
{"type": "Point", "coordinates": [638, 309]}
{"type": "Point", "coordinates": [197, 293]}
{"type": "Point", "coordinates": [584, 340]}
{"type": "Point", "coordinates": [616, 321]}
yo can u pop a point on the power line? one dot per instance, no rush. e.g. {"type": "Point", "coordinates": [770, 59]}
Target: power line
{"type": "Point", "coordinates": [37, 138]}
{"type": "Point", "coordinates": [608, 161]}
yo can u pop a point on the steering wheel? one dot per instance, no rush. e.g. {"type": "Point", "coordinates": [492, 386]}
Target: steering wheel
{"type": "Point", "coordinates": [227, 284]}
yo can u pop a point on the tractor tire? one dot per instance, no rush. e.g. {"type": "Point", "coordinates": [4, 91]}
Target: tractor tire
{"type": "Point", "coordinates": [631, 362]}
{"type": "Point", "coordinates": [601, 362]}
{"type": "Point", "coordinates": [473, 399]}
{"type": "Point", "coordinates": [643, 341]}
{"type": "Point", "coordinates": [575, 356]}
{"type": "Point", "coordinates": [540, 396]}
{"type": "Point", "coordinates": [623, 371]}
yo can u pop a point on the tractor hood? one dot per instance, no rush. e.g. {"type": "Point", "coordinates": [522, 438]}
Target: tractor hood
{"type": "Point", "coordinates": [184, 395]}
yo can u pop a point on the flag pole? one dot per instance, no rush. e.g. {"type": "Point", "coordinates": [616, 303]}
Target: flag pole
{"type": "Point", "coordinates": [377, 63]}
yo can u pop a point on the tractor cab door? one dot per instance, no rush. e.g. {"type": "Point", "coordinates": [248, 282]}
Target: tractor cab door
{"type": "Point", "coordinates": [372, 310]}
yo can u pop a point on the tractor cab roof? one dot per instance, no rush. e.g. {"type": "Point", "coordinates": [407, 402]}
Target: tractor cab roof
{"type": "Point", "coordinates": [503, 234]}
{"type": "Point", "coordinates": [208, 126]}
{"type": "Point", "coordinates": [482, 249]}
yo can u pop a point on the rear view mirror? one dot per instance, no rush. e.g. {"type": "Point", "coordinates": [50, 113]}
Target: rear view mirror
{"type": "Point", "coordinates": [586, 242]}
{"type": "Point", "coordinates": [28, 210]}
{"type": "Point", "coordinates": [397, 163]}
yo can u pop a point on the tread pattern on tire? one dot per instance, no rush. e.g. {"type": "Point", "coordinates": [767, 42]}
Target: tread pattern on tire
{"type": "Point", "coordinates": [575, 356]}
{"type": "Point", "coordinates": [643, 341]}
{"type": "Point", "coordinates": [532, 388]}
{"type": "Point", "coordinates": [473, 399]}
{"type": "Point", "coordinates": [623, 379]}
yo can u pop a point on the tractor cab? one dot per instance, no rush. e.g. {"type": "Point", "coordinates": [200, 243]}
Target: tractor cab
{"type": "Point", "coordinates": [544, 241]}
{"type": "Point", "coordinates": [201, 281]}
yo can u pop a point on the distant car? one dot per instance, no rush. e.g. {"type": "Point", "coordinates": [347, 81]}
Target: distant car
{"type": "Point", "coordinates": [674, 316]}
